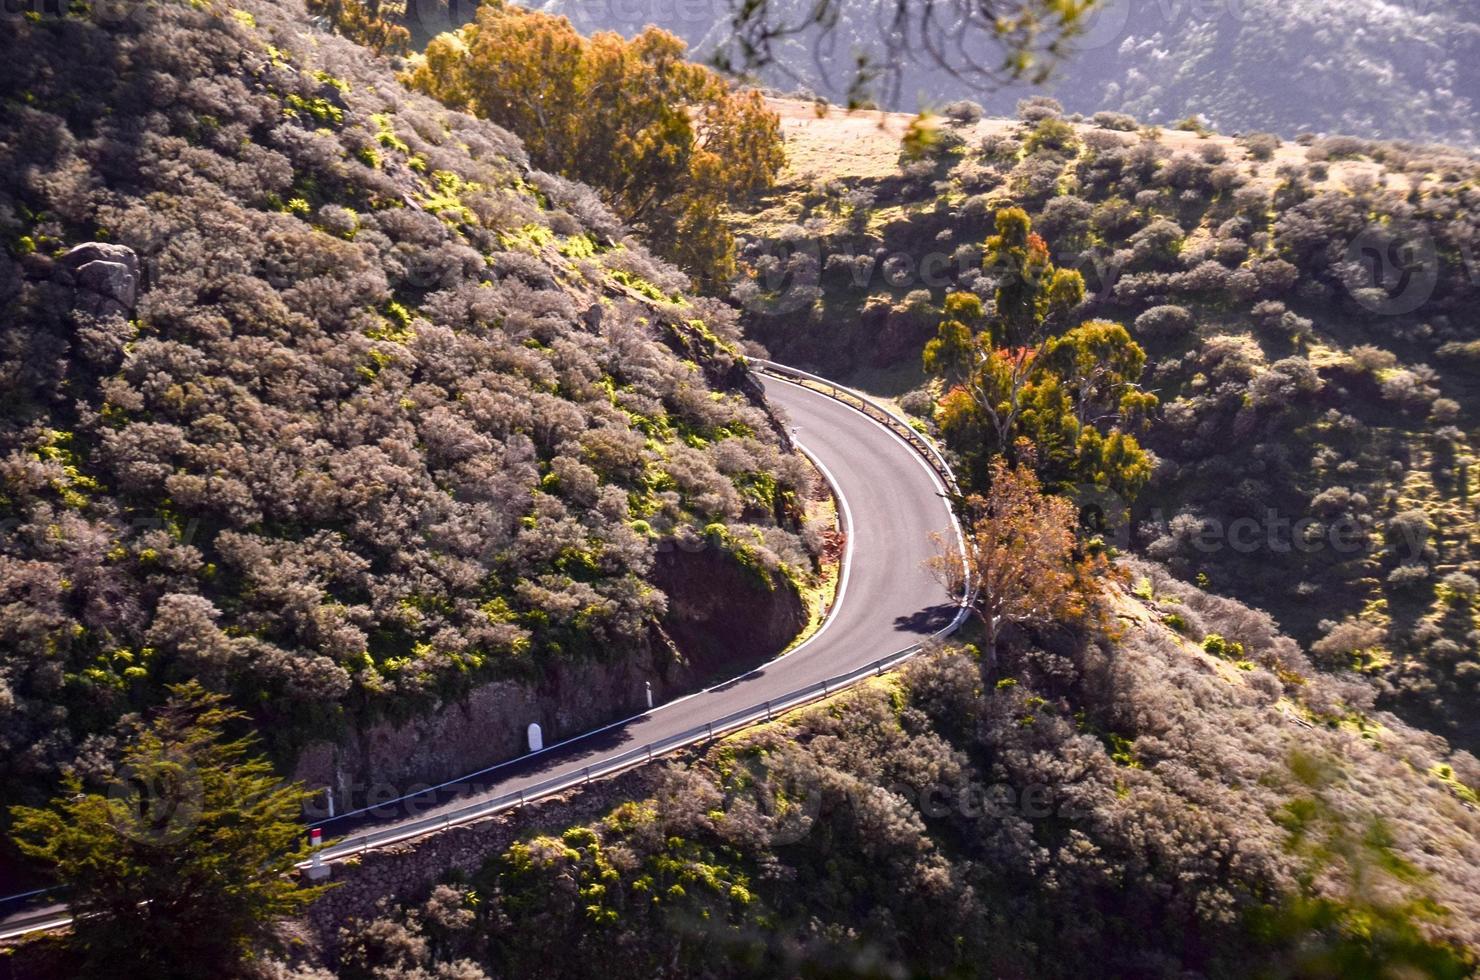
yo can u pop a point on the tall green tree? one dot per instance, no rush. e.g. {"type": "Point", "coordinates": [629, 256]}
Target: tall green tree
{"type": "Point", "coordinates": [181, 867]}
{"type": "Point", "coordinates": [667, 143]}
{"type": "Point", "coordinates": [951, 353]}
{"type": "Point", "coordinates": [1021, 376]}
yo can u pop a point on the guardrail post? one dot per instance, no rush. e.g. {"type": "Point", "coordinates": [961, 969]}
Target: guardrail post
{"type": "Point", "coordinates": [768, 711]}
{"type": "Point", "coordinates": [521, 798]}
{"type": "Point", "coordinates": [824, 687]}
{"type": "Point", "coordinates": [588, 774]}
{"type": "Point", "coordinates": [650, 751]}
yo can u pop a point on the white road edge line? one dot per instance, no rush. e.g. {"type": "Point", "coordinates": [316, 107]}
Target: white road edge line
{"type": "Point", "coordinates": [47, 926]}
{"type": "Point", "coordinates": [847, 559]}
{"type": "Point", "coordinates": [930, 470]}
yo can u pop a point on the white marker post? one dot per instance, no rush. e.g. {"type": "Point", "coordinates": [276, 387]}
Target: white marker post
{"type": "Point", "coordinates": [536, 738]}
{"type": "Point", "coordinates": [317, 869]}
{"type": "Point", "coordinates": [647, 686]}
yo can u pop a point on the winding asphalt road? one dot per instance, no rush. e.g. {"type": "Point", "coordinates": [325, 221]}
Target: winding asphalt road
{"type": "Point", "coordinates": [891, 503]}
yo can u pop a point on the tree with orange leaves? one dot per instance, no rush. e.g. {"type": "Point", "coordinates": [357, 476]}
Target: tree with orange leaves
{"type": "Point", "coordinates": [666, 142]}
{"type": "Point", "coordinates": [1021, 558]}
{"type": "Point", "coordinates": [377, 24]}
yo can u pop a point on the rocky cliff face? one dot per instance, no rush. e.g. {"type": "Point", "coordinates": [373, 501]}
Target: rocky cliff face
{"type": "Point", "coordinates": [723, 617]}
{"type": "Point", "coordinates": [723, 614]}
{"type": "Point", "coordinates": [389, 759]}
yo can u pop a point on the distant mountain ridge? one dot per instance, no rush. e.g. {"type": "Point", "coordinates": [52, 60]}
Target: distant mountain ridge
{"type": "Point", "coordinates": [1366, 68]}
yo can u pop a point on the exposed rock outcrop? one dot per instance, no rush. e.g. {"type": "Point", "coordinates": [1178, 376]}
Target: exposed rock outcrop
{"type": "Point", "coordinates": [723, 614]}
{"type": "Point", "coordinates": [105, 278]}
{"type": "Point", "coordinates": [390, 759]}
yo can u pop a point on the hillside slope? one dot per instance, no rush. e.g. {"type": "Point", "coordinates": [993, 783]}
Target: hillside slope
{"type": "Point", "coordinates": [1308, 315]}
{"type": "Point", "coordinates": [317, 393]}
{"type": "Point", "coordinates": [1125, 805]}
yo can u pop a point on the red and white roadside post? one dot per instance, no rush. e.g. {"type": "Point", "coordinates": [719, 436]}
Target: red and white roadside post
{"type": "Point", "coordinates": [317, 869]}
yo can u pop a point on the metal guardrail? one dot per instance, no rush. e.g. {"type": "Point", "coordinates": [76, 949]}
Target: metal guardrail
{"type": "Point", "coordinates": [43, 919]}
{"type": "Point", "coordinates": [349, 847]}
{"type": "Point", "coordinates": [353, 846]}
{"type": "Point", "coordinates": [901, 427]}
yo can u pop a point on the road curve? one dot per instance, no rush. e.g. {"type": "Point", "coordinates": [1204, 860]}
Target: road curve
{"type": "Point", "coordinates": [892, 503]}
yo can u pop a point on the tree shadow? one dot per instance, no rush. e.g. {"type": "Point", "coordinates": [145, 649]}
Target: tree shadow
{"type": "Point", "coordinates": [927, 621]}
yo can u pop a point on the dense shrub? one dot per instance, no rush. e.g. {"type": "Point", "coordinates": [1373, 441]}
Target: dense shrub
{"type": "Point", "coordinates": [1164, 322]}
{"type": "Point", "coordinates": [1118, 121]}
{"type": "Point", "coordinates": [914, 824]}
{"type": "Point", "coordinates": [963, 111]}
{"type": "Point", "coordinates": [1260, 146]}
{"type": "Point", "coordinates": [1037, 108]}
{"type": "Point", "coordinates": [664, 139]}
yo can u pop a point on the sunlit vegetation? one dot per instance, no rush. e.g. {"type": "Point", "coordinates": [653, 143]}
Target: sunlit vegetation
{"type": "Point", "coordinates": [1022, 560]}
{"type": "Point", "coordinates": [668, 143]}
{"type": "Point", "coordinates": [377, 24]}
{"type": "Point", "coordinates": [365, 391]}
{"type": "Point", "coordinates": [1023, 378]}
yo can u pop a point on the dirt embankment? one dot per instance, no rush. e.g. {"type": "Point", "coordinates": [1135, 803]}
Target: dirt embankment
{"type": "Point", "coordinates": [726, 615]}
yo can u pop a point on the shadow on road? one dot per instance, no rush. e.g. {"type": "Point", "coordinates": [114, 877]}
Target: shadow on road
{"type": "Point", "coordinates": [927, 621]}
{"type": "Point", "coordinates": [508, 776]}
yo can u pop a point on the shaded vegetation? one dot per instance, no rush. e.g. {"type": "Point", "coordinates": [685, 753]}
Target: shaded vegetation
{"type": "Point", "coordinates": [1113, 807]}
{"type": "Point", "coordinates": [1304, 322]}
{"type": "Point", "coordinates": [189, 842]}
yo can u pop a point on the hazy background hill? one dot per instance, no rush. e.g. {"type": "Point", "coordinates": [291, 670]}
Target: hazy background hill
{"type": "Point", "coordinates": [1369, 67]}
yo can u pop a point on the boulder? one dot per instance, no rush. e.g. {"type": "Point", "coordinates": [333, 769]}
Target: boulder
{"type": "Point", "coordinates": [106, 278]}
{"type": "Point", "coordinates": [88, 252]}
{"type": "Point", "coordinates": [112, 280]}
